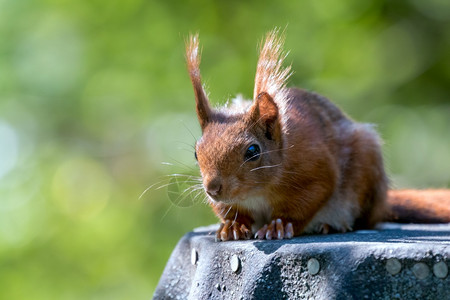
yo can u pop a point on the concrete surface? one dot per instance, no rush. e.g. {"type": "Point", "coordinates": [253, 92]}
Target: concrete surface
{"type": "Point", "coordinates": [393, 262]}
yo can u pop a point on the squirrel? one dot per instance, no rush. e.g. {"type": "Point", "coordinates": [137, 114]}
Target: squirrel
{"type": "Point", "coordinates": [290, 162]}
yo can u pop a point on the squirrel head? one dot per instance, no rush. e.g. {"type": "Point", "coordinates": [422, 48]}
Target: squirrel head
{"type": "Point", "coordinates": [239, 153]}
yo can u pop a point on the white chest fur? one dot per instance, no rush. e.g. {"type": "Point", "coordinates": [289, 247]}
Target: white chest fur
{"type": "Point", "coordinates": [260, 210]}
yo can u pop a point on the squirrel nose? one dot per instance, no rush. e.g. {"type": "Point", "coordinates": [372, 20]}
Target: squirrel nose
{"type": "Point", "coordinates": [214, 187]}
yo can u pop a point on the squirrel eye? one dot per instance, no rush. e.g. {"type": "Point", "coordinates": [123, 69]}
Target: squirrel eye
{"type": "Point", "coordinates": [253, 152]}
{"type": "Point", "coordinates": [195, 154]}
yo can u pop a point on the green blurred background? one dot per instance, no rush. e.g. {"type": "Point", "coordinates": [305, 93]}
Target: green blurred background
{"type": "Point", "coordinates": [94, 98]}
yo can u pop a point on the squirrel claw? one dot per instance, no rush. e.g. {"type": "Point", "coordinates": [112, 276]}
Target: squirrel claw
{"type": "Point", "coordinates": [246, 232]}
{"type": "Point", "coordinates": [270, 230]}
{"type": "Point", "coordinates": [232, 231]}
{"type": "Point", "coordinates": [289, 231]}
{"type": "Point", "coordinates": [225, 233]}
{"type": "Point", "coordinates": [324, 228]}
{"type": "Point", "coordinates": [261, 233]}
{"type": "Point", "coordinates": [275, 230]}
{"type": "Point", "coordinates": [218, 232]}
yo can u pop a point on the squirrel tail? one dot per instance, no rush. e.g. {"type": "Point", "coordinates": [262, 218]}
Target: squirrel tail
{"type": "Point", "coordinates": [418, 206]}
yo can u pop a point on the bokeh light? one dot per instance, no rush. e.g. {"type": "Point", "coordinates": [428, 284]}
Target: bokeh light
{"type": "Point", "coordinates": [81, 188]}
{"type": "Point", "coordinates": [9, 150]}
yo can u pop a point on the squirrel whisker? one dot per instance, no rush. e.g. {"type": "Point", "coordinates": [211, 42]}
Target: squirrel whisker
{"type": "Point", "coordinates": [228, 210]}
{"type": "Point", "coordinates": [265, 167]}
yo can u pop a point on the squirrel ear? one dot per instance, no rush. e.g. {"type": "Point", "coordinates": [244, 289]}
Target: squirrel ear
{"type": "Point", "coordinates": [204, 112]}
{"type": "Point", "coordinates": [265, 111]}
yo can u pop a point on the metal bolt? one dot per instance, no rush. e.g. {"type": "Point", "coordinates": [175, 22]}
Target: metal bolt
{"type": "Point", "coordinates": [421, 270]}
{"type": "Point", "coordinates": [393, 266]}
{"type": "Point", "coordinates": [194, 256]}
{"type": "Point", "coordinates": [440, 269]}
{"type": "Point", "coordinates": [313, 266]}
{"type": "Point", "coordinates": [235, 263]}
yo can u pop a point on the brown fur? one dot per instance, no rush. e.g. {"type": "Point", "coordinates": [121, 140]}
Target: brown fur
{"type": "Point", "coordinates": [318, 170]}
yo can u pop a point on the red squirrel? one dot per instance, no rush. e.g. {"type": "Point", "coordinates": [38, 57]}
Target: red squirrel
{"type": "Point", "coordinates": [290, 162]}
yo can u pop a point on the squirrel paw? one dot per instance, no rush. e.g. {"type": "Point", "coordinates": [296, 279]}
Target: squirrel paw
{"type": "Point", "coordinates": [275, 230]}
{"type": "Point", "coordinates": [324, 228]}
{"type": "Point", "coordinates": [232, 231]}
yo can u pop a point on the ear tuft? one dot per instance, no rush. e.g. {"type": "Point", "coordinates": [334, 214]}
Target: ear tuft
{"type": "Point", "coordinates": [270, 76]}
{"type": "Point", "coordinates": [204, 112]}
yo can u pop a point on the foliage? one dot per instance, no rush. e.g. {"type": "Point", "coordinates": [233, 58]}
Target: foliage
{"type": "Point", "coordinates": [94, 96]}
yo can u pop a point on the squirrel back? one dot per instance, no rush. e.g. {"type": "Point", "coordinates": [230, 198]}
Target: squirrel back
{"type": "Point", "coordinates": [288, 162]}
